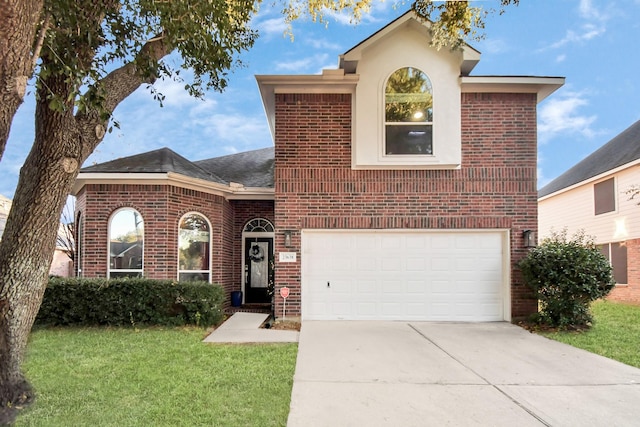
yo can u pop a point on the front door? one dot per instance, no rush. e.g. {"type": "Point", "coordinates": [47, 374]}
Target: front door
{"type": "Point", "coordinates": [258, 269]}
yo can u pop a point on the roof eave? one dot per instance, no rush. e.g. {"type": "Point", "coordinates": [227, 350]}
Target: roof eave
{"type": "Point", "coordinates": [231, 191]}
{"type": "Point", "coordinates": [591, 179]}
{"type": "Point", "coordinates": [349, 60]}
{"type": "Point", "coordinates": [330, 81]}
{"type": "Point", "coordinates": [542, 86]}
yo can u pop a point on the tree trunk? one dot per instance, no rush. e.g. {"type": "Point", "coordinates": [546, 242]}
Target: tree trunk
{"type": "Point", "coordinates": [62, 143]}
{"type": "Point", "coordinates": [28, 243]}
{"type": "Point", "coordinates": [18, 26]}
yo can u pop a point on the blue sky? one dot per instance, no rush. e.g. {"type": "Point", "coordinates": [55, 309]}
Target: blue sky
{"type": "Point", "coordinates": [590, 42]}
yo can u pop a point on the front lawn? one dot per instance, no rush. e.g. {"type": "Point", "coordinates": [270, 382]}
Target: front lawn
{"type": "Point", "coordinates": [155, 377]}
{"type": "Point", "coordinates": [615, 333]}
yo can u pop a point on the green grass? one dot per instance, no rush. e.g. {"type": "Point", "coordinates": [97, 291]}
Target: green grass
{"type": "Point", "coordinates": [615, 333]}
{"type": "Point", "coordinates": [155, 377]}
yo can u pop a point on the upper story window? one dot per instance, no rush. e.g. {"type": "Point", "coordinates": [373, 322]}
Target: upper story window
{"type": "Point", "coordinates": [194, 248]}
{"type": "Point", "coordinates": [126, 243]}
{"type": "Point", "coordinates": [604, 196]}
{"type": "Point", "coordinates": [408, 113]}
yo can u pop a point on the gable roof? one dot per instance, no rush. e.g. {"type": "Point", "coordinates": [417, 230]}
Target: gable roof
{"type": "Point", "coordinates": [621, 150]}
{"type": "Point", "coordinates": [163, 160]}
{"type": "Point", "coordinates": [349, 60]}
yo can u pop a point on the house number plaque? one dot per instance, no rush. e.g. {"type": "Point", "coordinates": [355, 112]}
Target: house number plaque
{"type": "Point", "coordinates": [287, 257]}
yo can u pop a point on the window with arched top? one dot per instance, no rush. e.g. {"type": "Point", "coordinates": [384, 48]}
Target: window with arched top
{"type": "Point", "coordinates": [194, 248]}
{"type": "Point", "coordinates": [126, 244]}
{"type": "Point", "coordinates": [408, 113]}
{"type": "Point", "coordinates": [258, 225]}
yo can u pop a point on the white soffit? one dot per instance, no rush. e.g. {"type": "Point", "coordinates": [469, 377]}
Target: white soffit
{"type": "Point", "coordinates": [232, 191]}
{"type": "Point", "coordinates": [542, 86]}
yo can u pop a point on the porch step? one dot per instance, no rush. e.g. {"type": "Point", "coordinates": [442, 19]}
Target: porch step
{"type": "Point", "coordinates": [249, 308]}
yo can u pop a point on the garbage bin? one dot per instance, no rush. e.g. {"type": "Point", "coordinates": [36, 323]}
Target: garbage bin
{"type": "Point", "coordinates": [236, 298]}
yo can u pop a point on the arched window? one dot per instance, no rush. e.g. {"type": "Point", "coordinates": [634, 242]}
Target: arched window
{"type": "Point", "coordinates": [258, 225]}
{"type": "Point", "coordinates": [408, 113]}
{"type": "Point", "coordinates": [126, 243]}
{"type": "Point", "coordinates": [194, 248]}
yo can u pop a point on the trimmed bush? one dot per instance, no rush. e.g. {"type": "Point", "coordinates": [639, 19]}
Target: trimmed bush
{"type": "Point", "coordinates": [120, 302]}
{"type": "Point", "coordinates": [566, 276]}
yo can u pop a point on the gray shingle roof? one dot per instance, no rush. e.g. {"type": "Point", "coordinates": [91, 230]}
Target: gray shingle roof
{"type": "Point", "coordinates": [251, 168]}
{"type": "Point", "coordinates": [622, 149]}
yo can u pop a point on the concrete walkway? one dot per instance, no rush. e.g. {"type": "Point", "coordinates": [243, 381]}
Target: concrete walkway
{"type": "Point", "coordinates": [245, 328]}
{"type": "Point", "coordinates": [436, 374]}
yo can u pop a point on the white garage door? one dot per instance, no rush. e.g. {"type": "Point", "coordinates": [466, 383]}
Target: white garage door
{"type": "Point", "coordinates": [400, 275]}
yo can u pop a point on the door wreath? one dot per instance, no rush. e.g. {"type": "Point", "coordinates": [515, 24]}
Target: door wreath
{"type": "Point", "coordinates": [256, 254]}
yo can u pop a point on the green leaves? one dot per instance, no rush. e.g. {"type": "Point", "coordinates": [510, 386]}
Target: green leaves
{"type": "Point", "coordinates": [126, 302]}
{"type": "Point", "coordinates": [88, 39]}
{"type": "Point", "coordinates": [566, 276]}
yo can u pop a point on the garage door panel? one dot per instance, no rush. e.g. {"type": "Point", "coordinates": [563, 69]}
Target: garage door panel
{"type": "Point", "coordinates": [439, 263]}
{"type": "Point", "coordinates": [403, 275]}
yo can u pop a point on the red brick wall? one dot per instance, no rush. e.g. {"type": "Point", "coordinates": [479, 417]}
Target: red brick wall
{"type": "Point", "coordinates": [316, 187]}
{"type": "Point", "coordinates": [161, 207]}
{"type": "Point", "coordinates": [630, 292]}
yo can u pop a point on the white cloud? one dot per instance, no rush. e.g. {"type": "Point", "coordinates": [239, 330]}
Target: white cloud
{"type": "Point", "coordinates": [303, 64]}
{"type": "Point", "coordinates": [560, 115]}
{"type": "Point", "coordinates": [495, 46]}
{"type": "Point", "coordinates": [587, 32]}
{"type": "Point", "coordinates": [272, 26]}
{"type": "Point", "coordinates": [323, 44]}
{"type": "Point", "coordinates": [587, 11]}
{"type": "Point", "coordinates": [561, 58]}
{"type": "Point", "coordinates": [594, 25]}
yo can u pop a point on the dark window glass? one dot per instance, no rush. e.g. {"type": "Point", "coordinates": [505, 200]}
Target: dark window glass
{"type": "Point", "coordinates": [604, 197]}
{"type": "Point", "coordinates": [616, 254]}
{"type": "Point", "coordinates": [619, 262]}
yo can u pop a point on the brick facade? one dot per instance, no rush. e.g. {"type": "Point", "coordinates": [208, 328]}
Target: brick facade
{"type": "Point", "coordinates": [162, 207]}
{"type": "Point", "coordinates": [315, 186]}
{"type": "Point", "coordinates": [629, 293]}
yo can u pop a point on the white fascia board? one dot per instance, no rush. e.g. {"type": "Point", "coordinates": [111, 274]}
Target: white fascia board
{"type": "Point", "coordinates": [592, 179]}
{"type": "Point", "coordinates": [84, 178]}
{"type": "Point", "coordinates": [330, 81]}
{"type": "Point", "coordinates": [542, 86]}
{"type": "Point", "coordinates": [349, 60]}
{"type": "Point", "coordinates": [233, 191]}
{"type": "Point", "coordinates": [253, 193]}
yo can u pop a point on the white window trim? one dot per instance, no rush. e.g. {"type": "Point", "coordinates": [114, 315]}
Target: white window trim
{"type": "Point", "coordinates": [383, 146]}
{"type": "Point", "coordinates": [179, 271]}
{"type": "Point", "coordinates": [124, 270]}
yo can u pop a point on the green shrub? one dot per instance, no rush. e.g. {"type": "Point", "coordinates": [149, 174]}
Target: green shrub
{"type": "Point", "coordinates": [567, 275]}
{"type": "Point", "coordinates": [119, 302]}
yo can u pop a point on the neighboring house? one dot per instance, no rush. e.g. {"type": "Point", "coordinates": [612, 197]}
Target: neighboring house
{"type": "Point", "coordinates": [5, 207]}
{"type": "Point", "coordinates": [398, 187]}
{"type": "Point", "coordinates": [61, 264]}
{"type": "Point", "coordinates": [592, 196]}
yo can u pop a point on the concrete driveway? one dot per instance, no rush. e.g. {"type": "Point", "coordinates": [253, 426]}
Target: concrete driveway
{"type": "Point", "coordinates": [455, 374]}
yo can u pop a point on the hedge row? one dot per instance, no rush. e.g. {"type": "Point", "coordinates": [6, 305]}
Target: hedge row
{"type": "Point", "coordinates": [120, 302]}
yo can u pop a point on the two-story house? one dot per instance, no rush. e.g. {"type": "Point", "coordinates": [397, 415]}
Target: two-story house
{"type": "Point", "coordinates": [593, 196]}
{"type": "Point", "coordinates": [399, 187]}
